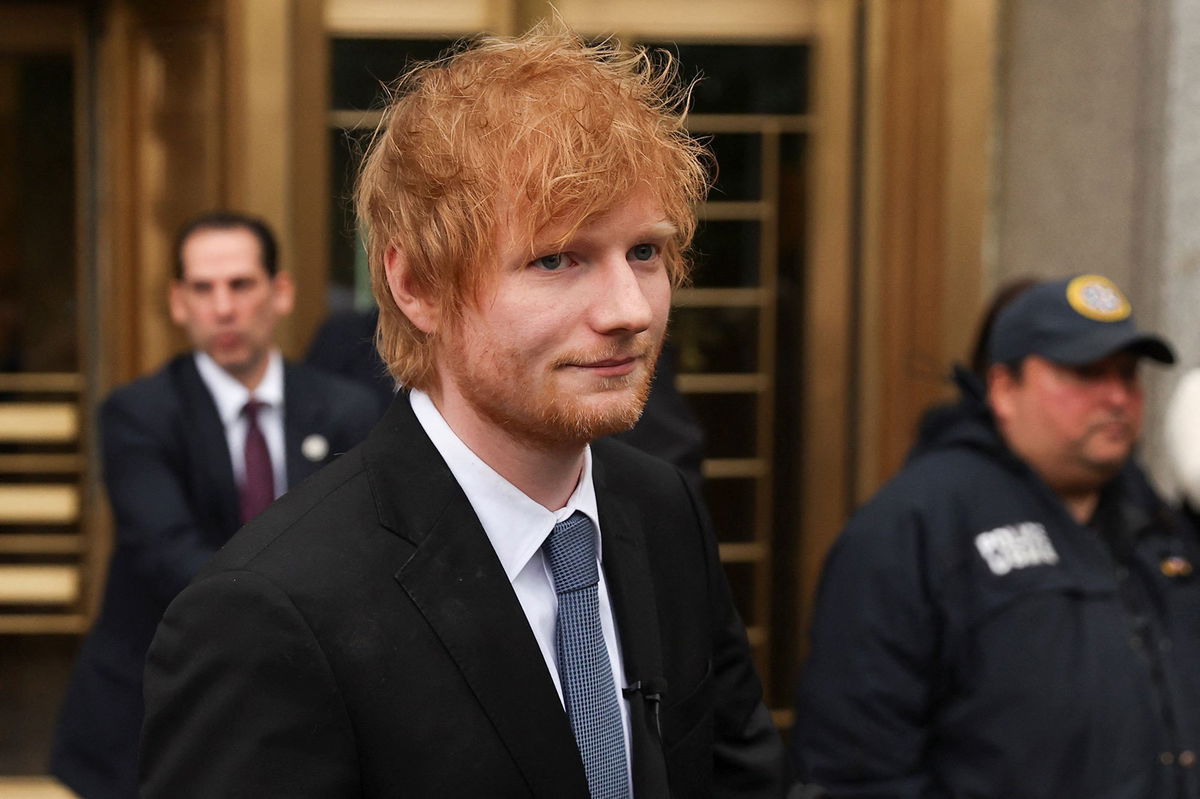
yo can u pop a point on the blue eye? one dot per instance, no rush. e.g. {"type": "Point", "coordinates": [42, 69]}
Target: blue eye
{"type": "Point", "coordinates": [551, 263]}
{"type": "Point", "coordinates": [643, 252]}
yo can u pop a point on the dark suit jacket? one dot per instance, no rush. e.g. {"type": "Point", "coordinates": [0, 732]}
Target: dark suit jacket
{"type": "Point", "coordinates": [360, 638]}
{"type": "Point", "coordinates": [171, 486]}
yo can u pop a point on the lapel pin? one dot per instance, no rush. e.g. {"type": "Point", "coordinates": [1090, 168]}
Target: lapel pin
{"type": "Point", "coordinates": [1176, 566]}
{"type": "Point", "coordinates": [315, 447]}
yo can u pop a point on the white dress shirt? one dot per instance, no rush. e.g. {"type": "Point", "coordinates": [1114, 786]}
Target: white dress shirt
{"type": "Point", "coordinates": [517, 526]}
{"type": "Point", "coordinates": [231, 397]}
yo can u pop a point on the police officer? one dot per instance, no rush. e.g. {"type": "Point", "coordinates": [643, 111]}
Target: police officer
{"type": "Point", "coordinates": [1015, 613]}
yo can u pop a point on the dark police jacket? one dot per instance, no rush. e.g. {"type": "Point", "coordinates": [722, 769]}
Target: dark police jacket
{"type": "Point", "coordinates": [972, 640]}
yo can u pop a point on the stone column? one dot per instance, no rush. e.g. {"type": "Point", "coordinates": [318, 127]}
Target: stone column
{"type": "Point", "coordinates": [1098, 161]}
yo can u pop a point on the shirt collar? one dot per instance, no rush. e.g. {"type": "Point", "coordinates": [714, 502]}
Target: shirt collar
{"type": "Point", "coordinates": [516, 525]}
{"type": "Point", "coordinates": [230, 395]}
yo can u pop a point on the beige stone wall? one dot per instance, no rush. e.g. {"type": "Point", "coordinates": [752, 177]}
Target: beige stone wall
{"type": "Point", "coordinates": [1072, 152]}
{"type": "Point", "coordinates": [1098, 158]}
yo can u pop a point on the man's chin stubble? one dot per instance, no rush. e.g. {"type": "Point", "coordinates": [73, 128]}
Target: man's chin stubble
{"type": "Point", "coordinates": [575, 426]}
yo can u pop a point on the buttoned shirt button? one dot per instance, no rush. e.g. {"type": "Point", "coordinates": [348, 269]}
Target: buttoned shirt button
{"type": "Point", "coordinates": [1166, 758]}
{"type": "Point", "coordinates": [1187, 758]}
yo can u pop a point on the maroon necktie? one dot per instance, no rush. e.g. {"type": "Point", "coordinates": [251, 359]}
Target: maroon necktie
{"type": "Point", "coordinates": [258, 490]}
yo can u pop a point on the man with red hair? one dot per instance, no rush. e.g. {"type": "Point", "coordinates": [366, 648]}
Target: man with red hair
{"type": "Point", "coordinates": [480, 601]}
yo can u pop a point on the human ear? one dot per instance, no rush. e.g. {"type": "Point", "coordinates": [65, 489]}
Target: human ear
{"type": "Point", "coordinates": [412, 303]}
{"type": "Point", "coordinates": [1000, 385]}
{"type": "Point", "coordinates": [284, 297]}
{"type": "Point", "coordinates": [179, 314]}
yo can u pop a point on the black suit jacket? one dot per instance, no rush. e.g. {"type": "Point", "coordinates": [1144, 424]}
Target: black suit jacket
{"type": "Point", "coordinates": [170, 482]}
{"type": "Point", "coordinates": [360, 638]}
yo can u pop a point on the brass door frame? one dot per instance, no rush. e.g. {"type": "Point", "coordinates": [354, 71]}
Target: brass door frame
{"type": "Point", "coordinates": [65, 588]}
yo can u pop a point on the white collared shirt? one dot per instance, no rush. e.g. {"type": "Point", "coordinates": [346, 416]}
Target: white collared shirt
{"type": "Point", "coordinates": [231, 397]}
{"type": "Point", "coordinates": [517, 526]}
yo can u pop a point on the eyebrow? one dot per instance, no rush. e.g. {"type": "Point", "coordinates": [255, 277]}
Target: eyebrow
{"type": "Point", "coordinates": [660, 230]}
{"type": "Point", "coordinates": [654, 230]}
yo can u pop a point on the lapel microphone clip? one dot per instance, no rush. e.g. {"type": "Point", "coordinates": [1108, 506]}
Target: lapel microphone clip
{"type": "Point", "coordinates": [652, 691]}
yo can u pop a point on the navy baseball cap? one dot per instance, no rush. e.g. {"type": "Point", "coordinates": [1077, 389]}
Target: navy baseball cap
{"type": "Point", "coordinates": [1072, 322]}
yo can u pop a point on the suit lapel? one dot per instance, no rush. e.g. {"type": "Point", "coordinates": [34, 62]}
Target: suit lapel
{"type": "Point", "coordinates": [457, 583]}
{"type": "Point", "coordinates": [206, 438]}
{"type": "Point", "coordinates": [302, 412]}
{"type": "Point", "coordinates": [631, 590]}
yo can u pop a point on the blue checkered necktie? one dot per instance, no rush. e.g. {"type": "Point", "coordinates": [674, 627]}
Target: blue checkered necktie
{"type": "Point", "coordinates": [583, 666]}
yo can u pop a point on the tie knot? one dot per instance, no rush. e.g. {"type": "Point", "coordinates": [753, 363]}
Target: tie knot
{"type": "Point", "coordinates": [571, 550]}
{"type": "Point", "coordinates": [251, 408]}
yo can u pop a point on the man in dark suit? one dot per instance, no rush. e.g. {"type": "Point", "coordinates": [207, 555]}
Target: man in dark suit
{"type": "Point", "coordinates": [476, 602]}
{"type": "Point", "coordinates": [186, 464]}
